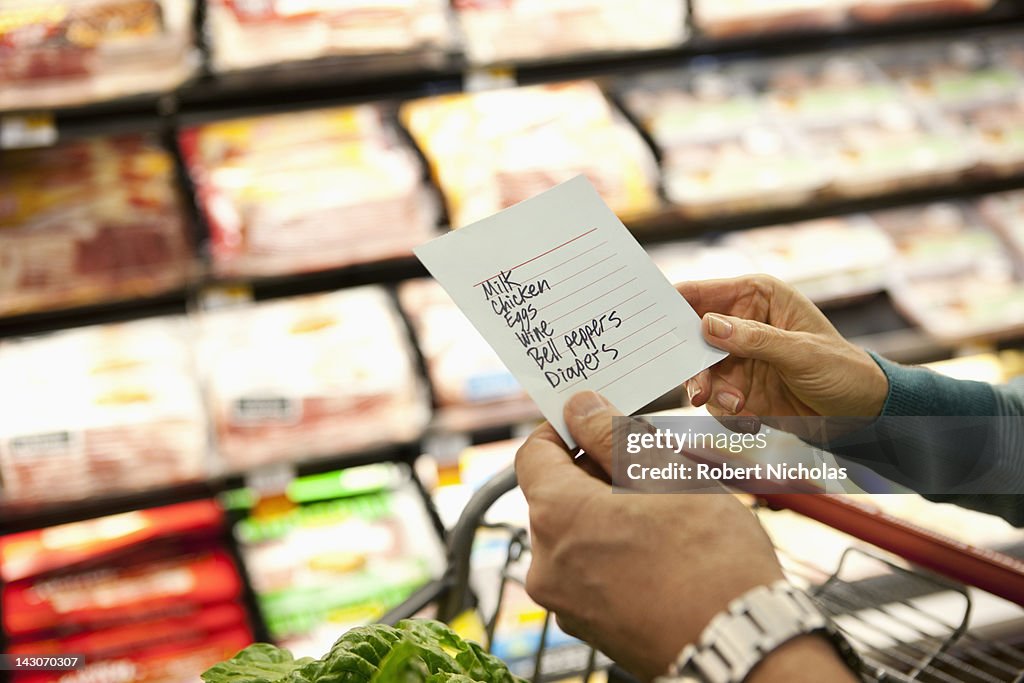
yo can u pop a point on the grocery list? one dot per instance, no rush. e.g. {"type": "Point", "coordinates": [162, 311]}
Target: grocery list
{"type": "Point", "coordinates": [570, 301]}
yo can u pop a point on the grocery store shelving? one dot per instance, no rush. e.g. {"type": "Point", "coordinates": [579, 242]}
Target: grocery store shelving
{"type": "Point", "coordinates": [666, 224]}
{"type": "Point", "coordinates": [15, 517]}
{"type": "Point", "coordinates": [873, 322]}
{"type": "Point", "coordinates": [348, 79]}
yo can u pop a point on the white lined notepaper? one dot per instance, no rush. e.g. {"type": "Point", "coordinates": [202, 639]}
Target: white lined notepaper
{"type": "Point", "coordinates": [570, 301]}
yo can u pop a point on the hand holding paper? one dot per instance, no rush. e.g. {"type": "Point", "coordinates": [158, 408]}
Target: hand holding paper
{"type": "Point", "coordinates": [570, 301]}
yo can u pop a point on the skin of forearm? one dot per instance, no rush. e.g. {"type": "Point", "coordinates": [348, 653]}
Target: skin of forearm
{"type": "Point", "coordinates": [806, 659]}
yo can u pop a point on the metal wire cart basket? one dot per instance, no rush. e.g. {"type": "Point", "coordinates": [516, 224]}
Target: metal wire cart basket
{"type": "Point", "coordinates": [909, 624]}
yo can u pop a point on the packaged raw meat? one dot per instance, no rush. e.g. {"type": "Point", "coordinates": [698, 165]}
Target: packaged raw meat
{"type": "Point", "coordinates": [89, 221]}
{"type": "Point", "coordinates": [310, 376]}
{"type": "Point", "coordinates": [950, 73]}
{"type": "Point", "coordinates": [884, 11]}
{"type": "Point", "coordinates": [463, 367]}
{"type": "Point", "coordinates": [953, 276]}
{"type": "Point", "coordinates": [693, 260]}
{"type": "Point", "coordinates": [828, 259]}
{"type": "Point", "coordinates": [326, 557]}
{"type": "Point", "coordinates": [939, 239]}
{"type": "Point", "coordinates": [309, 190]}
{"type": "Point", "coordinates": [894, 148]}
{"type": "Point", "coordinates": [56, 53]}
{"type": "Point", "coordinates": [997, 130]}
{"type": "Point", "coordinates": [103, 409]}
{"type": "Point", "coordinates": [761, 167]}
{"type": "Point", "coordinates": [1005, 211]}
{"type": "Point", "coordinates": [679, 106]}
{"type": "Point", "coordinates": [516, 30]}
{"type": "Point", "coordinates": [822, 88]}
{"type": "Point", "coordinates": [491, 149]}
{"type": "Point", "coordinates": [728, 18]}
{"type": "Point", "coordinates": [248, 34]}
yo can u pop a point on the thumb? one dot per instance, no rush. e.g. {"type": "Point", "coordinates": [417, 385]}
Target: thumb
{"type": "Point", "coordinates": [589, 417]}
{"type": "Point", "coordinates": [751, 339]}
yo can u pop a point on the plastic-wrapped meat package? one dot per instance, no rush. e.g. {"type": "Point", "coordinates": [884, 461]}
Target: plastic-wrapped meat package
{"type": "Point", "coordinates": [100, 410]}
{"type": "Point", "coordinates": [332, 559]}
{"type": "Point", "coordinates": [762, 167]}
{"type": "Point", "coordinates": [535, 29]}
{"type": "Point", "coordinates": [895, 148]}
{"type": "Point", "coordinates": [66, 52]}
{"type": "Point", "coordinates": [829, 259]}
{"type": "Point", "coordinates": [1005, 211]}
{"type": "Point", "coordinates": [884, 11]}
{"type": "Point", "coordinates": [693, 260]}
{"type": "Point", "coordinates": [726, 18]}
{"type": "Point", "coordinates": [997, 130]}
{"type": "Point", "coordinates": [824, 88]}
{"type": "Point", "coordinates": [492, 149]}
{"type": "Point", "coordinates": [308, 190]}
{"type": "Point", "coordinates": [89, 221]}
{"type": "Point", "coordinates": [675, 107]}
{"type": "Point", "coordinates": [247, 34]}
{"type": "Point", "coordinates": [463, 367]}
{"type": "Point", "coordinates": [953, 275]}
{"type": "Point", "coordinates": [951, 74]}
{"type": "Point", "coordinates": [310, 376]}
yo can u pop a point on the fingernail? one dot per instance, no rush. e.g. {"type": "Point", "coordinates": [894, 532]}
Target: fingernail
{"type": "Point", "coordinates": [719, 326]}
{"type": "Point", "coordinates": [692, 389]}
{"type": "Point", "coordinates": [730, 402]}
{"type": "Point", "coordinates": [748, 425]}
{"type": "Point", "coordinates": [586, 403]}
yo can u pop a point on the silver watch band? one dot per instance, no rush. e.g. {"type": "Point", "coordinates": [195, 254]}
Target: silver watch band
{"type": "Point", "coordinates": [753, 625]}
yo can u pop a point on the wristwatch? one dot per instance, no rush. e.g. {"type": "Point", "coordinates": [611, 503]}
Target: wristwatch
{"type": "Point", "coordinates": [753, 625]}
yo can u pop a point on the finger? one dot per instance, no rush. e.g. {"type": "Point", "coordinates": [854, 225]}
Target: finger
{"type": "Point", "coordinates": [706, 296]}
{"type": "Point", "coordinates": [743, 423]}
{"type": "Point", "coordinates": [698, 388]}
{"type": "Point", "coordinates": [543, 460]}
{"type": "Point", "coordinates": [589, 416]}
{"type": "Point", "coordinates": [752, 339]}
{"type": "Point", "coordinates": [726, 395]}
{"type": "Point", "coordinates": [591, 467]}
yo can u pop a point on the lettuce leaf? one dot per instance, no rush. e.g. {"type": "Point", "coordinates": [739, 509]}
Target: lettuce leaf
{"type": "Point", "coordinates": [258, 663]}
{"type": "Point", "coordinates": [414, 651]}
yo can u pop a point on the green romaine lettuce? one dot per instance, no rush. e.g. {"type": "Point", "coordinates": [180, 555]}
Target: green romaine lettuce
{"type": "Point", "coordinates": [414, 651]}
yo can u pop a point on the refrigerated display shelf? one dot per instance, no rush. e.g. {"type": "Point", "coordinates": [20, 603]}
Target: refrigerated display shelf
{"type": "Point", "coordinates": [667, 224]}
{"type": "Point", "coordinates": [15, 517]}
{"type": "Point", "coordinates": [398, 76]}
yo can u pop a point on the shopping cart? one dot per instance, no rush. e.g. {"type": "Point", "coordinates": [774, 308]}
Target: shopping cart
{"type": "Point", "coordinates": [908, 624]}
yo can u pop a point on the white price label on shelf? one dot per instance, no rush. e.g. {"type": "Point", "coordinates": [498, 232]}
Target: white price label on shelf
{"type": "Point", "coordinates": [18, 131]}
{"type": "Point", "coordinates": [224, 296]}
{"type": "Point", "coordinates": [271, 480]}
{"type": "Point", "coordinates": [489, 78]}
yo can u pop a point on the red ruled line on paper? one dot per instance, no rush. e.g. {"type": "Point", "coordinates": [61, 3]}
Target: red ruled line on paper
{"type": "Point", "coordinates": [596, 298]}
{"type": "Point", "coordinates": [568, 260]}
{"type": "Point", "coordinates": [649, 360]}
{"type": "Point", "coordinates": [600, 279]}
{"type": "Point", "coordinates": [624, 357]}
{"type": "Point", "coordinates": [531, 260]}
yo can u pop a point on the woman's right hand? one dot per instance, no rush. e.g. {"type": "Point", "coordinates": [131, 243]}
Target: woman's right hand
{"type": "Point", "coordinates": [786, 358]}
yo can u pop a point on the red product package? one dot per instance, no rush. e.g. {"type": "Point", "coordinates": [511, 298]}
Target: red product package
{"type": "Point", "coordinates": [175, 662]}
{"type": "Point", "coordinates": [178, 624]}
{"type": "Point", "coordinates": [35, 552]}
{"type": "Point", "coordinates": [115, 593]}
